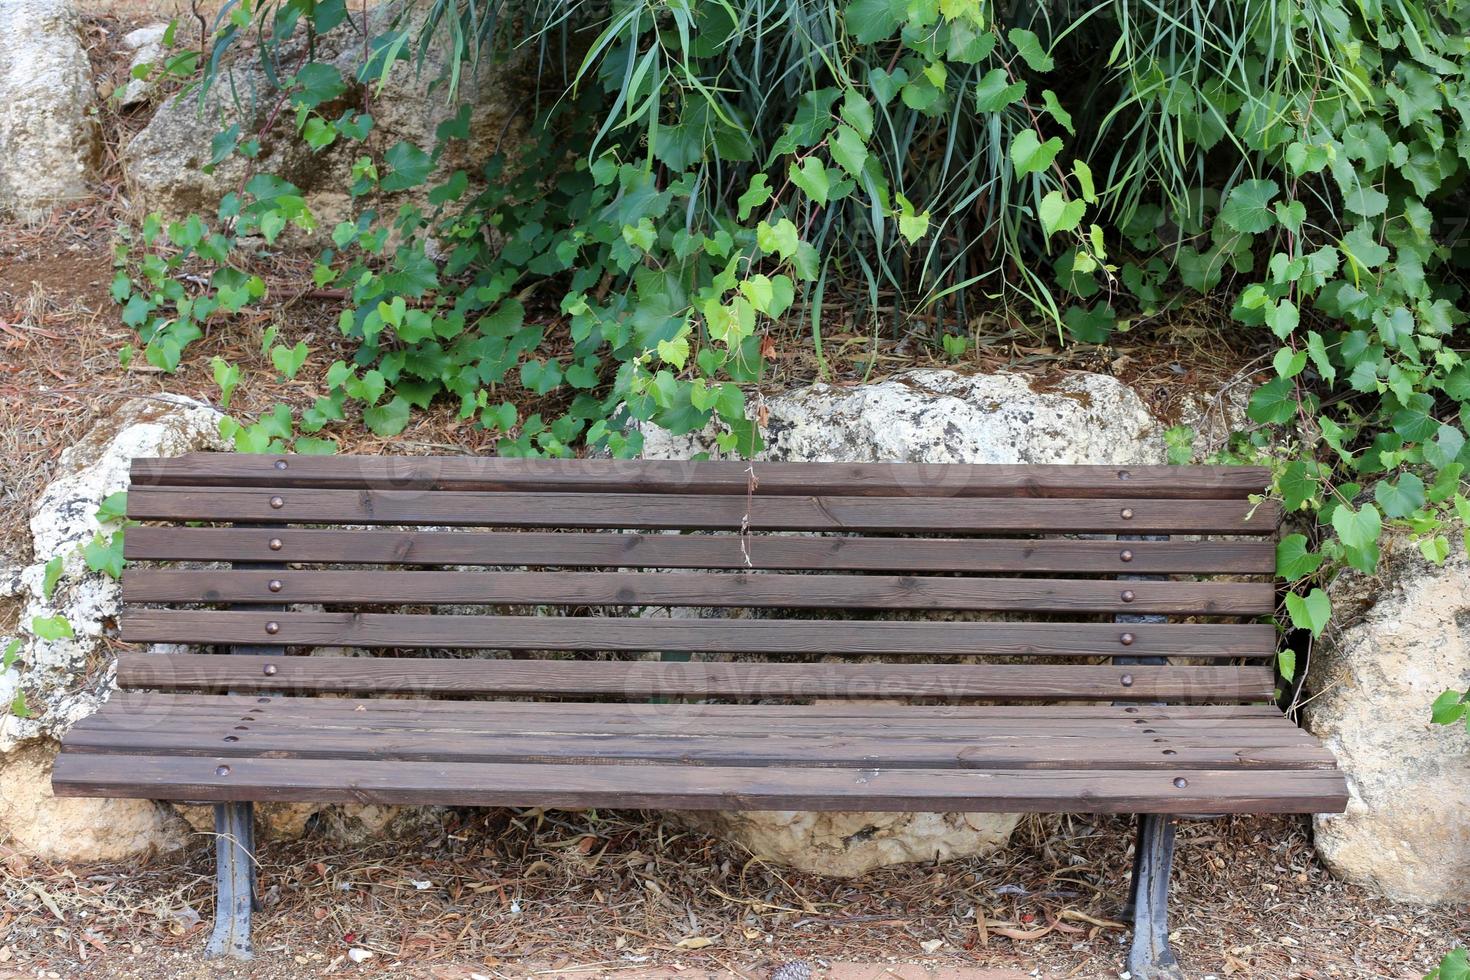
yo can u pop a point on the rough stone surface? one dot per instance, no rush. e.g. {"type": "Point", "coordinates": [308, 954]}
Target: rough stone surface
{"type": "Point", "coordinates": [940, 416]}
{"type": "Point", "coordinates": [1403, 638]}
{"type": "Point", "coordinates": [146, 43]}
{"type": "Point", "coordinates": [924, 416]}
{"type": "Point", "coordinates": [849, 844]}
{"type": "Point", "coordinates": [48, 133]}
{"type": "Point", "coordinates": [64, 680]}
{"type": "Point", "coordinates": [348, 823]}
{"type": "Point", "coordinates": [34, 821]}
{"type": "Point", "coordinates": [163, 161]}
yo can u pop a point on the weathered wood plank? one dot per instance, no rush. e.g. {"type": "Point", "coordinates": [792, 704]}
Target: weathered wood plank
{"type": "Point", "coordinates": [699, 477]}
{"type": "Point", "coordinates": [760, 551]}
{"type": "Point", "coordinates": [694, 589]}
{"type": "Point", "coordinates": [426, 676]}
{"type": "Point", "coordinates": [692, 512]}
{"type": "Point", "coordinates": [845, 637]}
{"type": "Point", "coordinates": [223, 779]}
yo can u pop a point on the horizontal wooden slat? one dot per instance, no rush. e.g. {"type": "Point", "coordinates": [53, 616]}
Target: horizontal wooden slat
{"type": "Point", "coordinates": [223, 779]}
{"type": "Point", "coordinates": [699, 477]}
{"type": "Point", "coordinates": [594, 550]}
{"type": "Point", "coordinates": [143, 625]}
{"type": "Point", "coordinates": [360, 675]}
{"type": "Point", "coordinates": [693, 512]}
{"type": "Point", "coordinates": [448, 739]}
{"type": "Point", "coordinates": [133, 712]}
{"type": "Point", "coordinates": [686, 589]}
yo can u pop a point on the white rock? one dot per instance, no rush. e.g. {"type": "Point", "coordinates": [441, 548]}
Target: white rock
{"type": "Point", "coordinates": [65, 680]}
{"type": "Point", "coordinates": [846, 845]}
{"type": "Point", "coordinates": [1403, 638]}
{"type": "Point", "coordinates": [48, 130]}
{"type": "Point", "coordinates": [34, 821]}
{"type": "Point", "coordinates": [163, 162]}
{"type": "Point", "coordinates": [146, 43]}
{"type": "Point", "coordinates": [940, 416]}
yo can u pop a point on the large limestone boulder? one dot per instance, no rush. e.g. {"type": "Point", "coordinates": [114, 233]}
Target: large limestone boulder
{"type": "Point", "coordinates": [924, 416]}
{"type": "Point", "coordinates": [48, 129]}
{"type": "Point", "coordinates": [164, 161]}
{"type": "Point", "coordinates": [1402, 638]}
{"type": "Point", "coordinates": [66, 679]}
{"type": "Point", "coordinates": [36, 822]}
{"type": "Point", "coordinates": [941, 416]}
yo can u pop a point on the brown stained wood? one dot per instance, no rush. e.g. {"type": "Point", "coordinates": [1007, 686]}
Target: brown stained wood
{"type": "Point", "coordinates": [133, 711]}
{"type": "Point", "coordinates": [847, 637]}
{"type": "Point", "coordinates": [599, 550]}
{"type": "Point", "coordinates": [699, 477]}
{"type": "Point", "coordinates": [428, 676]}
{"type": "Point", "coordinates": [693, 589]}
{"type": "Point", "coordinates": [693, 512]}
{"type": "Point", "coordinates": [1010, 714]}
{"type": "Point", "coordinates": [1058, 749]}
{"type": "Point", "coordinates": [223, 779]}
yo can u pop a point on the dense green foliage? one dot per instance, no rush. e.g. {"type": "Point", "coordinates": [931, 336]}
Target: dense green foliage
{"type": "Point", "coordinates": [705, 172]}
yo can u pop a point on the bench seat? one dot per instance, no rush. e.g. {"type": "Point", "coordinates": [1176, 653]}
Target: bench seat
{"type": "Point", "coordinates": [1047, 758]}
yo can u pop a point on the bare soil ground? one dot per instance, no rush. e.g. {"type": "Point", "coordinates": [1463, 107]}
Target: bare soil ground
{"type": "Point", "coordinates": [500, 893]}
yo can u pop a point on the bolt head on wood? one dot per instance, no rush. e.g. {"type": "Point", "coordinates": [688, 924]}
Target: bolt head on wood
{"type": "Point", "coordinates": [274, 585]}
{"type": "Point", "coordinates": [1124, 555]}
{"type": "Point", "coordinates": [222, 771]}
{"type": "Point", "coordinates": [1126, 680]}
{"type": "Point", "coordinates": [280, 464]}
{"type": "Point", "coordinates": [1180, 782]}
{"type": "Point", "coordinates": [278, 502]}
{"type": "Point", "coordinates": [1126, 639]}
{"type": "Point", "coordinates": [272, 628]}
{"type": "Point", "coordinates": [269, 670]}
{"type": "Point", "coordinates": [1124, 475]}
{"type": "Point", "coordinates": [1128, 595]}
{"type": "Point", "coordinates": [1127, 513]}
{"type": "Point", "coordinates": [275, 544]}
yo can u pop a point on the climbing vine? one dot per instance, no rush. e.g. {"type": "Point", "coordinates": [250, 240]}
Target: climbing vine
{"type": "Point", "coordinates": [701, 175]}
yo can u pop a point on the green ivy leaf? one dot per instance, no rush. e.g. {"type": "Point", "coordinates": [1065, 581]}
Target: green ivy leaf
{"type": "Point", "coordinates": [1028, 46]}
{"type": "Point", "coordinates": [104, 553]}
{"type": "Point", "coordinates": [52, 628]}
{"type": "Point", "coordinates": [287, 360]}
{"type": "Point", "coordinates": [114, 508]}
{"type": "Point", "coordinates": [1310, 612]}
{"type": "Point", "coordinates": [1293, 560]}
{"type": "Point", "coordinates": [388, 419]}
{"type": "Point", "coordinates": [408, 166]}
{"type": "Point", "coordinates": [1402, 498]}
{"type": "Point", "coordinates": [1059, 214]}
{"type": "Point", "coordinates": [1030, 155]}
{"type": "Point", "coordinates": [812, 178]}
{"type": "Point", "coordinates": [995, 91]}
{"type": "Point", "coordinates": [758, 193]}
{"type": "Point", "coordinates": [1358, 529]}
{"type": "Point", "coordinates": [51, 576]}
{"type": "Point", "coordinates": [1248, 207]}
{"type": "Point", "coordinates": [848, 150]}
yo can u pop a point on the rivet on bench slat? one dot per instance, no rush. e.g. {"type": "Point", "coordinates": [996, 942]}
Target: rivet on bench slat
{"type": "Point", "coordinates": [278, 502]}
{"type": "Point", "coordinates": [1180, 782]}
{"type": "Point", "coordinates": [1126, 513]}
{"type": "Point", "coordinates": [263, 701]}
{"type": "Point", "coordinates": [1128, 595]}
{"type": "Point", "coordinates": [1126, 680]}
{"type": "Point", "coordinates": [1126, 639]}
{"type": "Point", "coordinates": [232, 738]}
{"type": "Point", "coordinates": [1170, 752]}
{"type": "Point", "coordinates": [275, 585]}
{"type": "Point", "coordinates": [1124, 475]}
{"type": "Point", "coordinates": [280, 464]}
{"type": "Point", "coordinates": [222, 771]}
{"type": "Point", "coordinates": [273, 628]}
{"type": "Point", "coordinates": [275, 545]}
{"type": "Point", "coordinates": [269, 670]}
{"type": "Point", "coordinates": [1125, 554]}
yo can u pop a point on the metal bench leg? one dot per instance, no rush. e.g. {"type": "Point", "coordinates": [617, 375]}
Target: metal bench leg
{"type": "Point", "coordinates": [1151, 958]}
{"type": "Point", "coordinates": [234, 848]}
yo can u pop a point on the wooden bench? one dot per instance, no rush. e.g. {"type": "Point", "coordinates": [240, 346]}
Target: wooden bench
{"type": "Point", "coordinates": [1086, 712]}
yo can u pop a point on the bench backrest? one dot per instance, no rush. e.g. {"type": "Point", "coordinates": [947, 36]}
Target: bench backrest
{"type": "Point", "coordinates": [1092, 572]}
